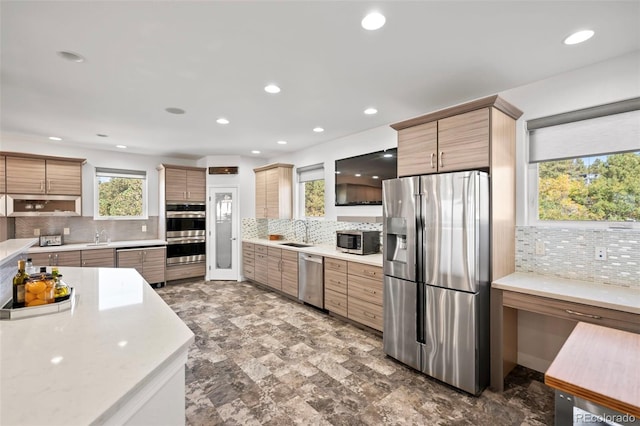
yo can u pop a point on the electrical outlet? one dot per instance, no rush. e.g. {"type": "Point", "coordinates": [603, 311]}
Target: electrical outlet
{"type": "Point", "coordinates": [66, 231]}
{"type": "Point", "coordinates": [601, 253]}
{"type": "Point", "coordinates": [144, 228]}
{"type": "Point", "coordinates": [36, 232]}
{"type": "Point", "coordinates": [540, 250]}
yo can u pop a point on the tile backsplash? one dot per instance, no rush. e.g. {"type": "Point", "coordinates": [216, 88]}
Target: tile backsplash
{"type": "Point", "coordinates": [570, 253]}
{"type": "Point", "coordinates": [82, 229]}
{"type": "Point", "coordinates": [321, 232]}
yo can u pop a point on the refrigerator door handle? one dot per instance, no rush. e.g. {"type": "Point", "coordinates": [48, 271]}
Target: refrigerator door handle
{"type": "Point", "coordinates": [420, 313]}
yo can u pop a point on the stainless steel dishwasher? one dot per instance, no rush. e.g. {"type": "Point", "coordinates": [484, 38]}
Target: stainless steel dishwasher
{"type": "Point", "coordinates": [311, 279]}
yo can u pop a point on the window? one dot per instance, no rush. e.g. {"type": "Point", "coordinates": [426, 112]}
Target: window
{"type": "Point", "coordinates": [120, 194]}
{"type": "Point", "coordinates": [311, 193]}
{"type": "Point", "coordinates": [585, 165]}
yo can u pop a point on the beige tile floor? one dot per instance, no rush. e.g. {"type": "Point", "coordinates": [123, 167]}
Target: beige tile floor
{"type": "Point", "coordinates": [260, 358]}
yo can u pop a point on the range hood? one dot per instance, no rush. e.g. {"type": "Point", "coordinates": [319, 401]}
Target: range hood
{"type": "Point", "coordinates": [44, 205]}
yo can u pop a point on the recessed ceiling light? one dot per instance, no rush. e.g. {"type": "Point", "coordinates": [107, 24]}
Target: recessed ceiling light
{"type": "Point", "coordinates": [579, 37]}
{"type": "Point", "coordinates": [56, 360]}
{"type": "Point", "coordinates": [373, 21]}
{"type": "Point", "coordinates": [388, 155]}
{"type": "Point", "coordinates": [272, 88]}
{"type": "Point", "coordinates": [55, 138]}
{"type": "Point", "coordinates": [172, 110]}
{"type": "Point", "coordinates": [358, 175]}
{"type": "Point", "coordinates": [318, 129]}
{"type": "Point", "coordinates": [337, 172]}
{"type": "Point", "coordinates": [70, 56]}
{"type": "Point", "coordinates": [376, 177]}
{"type": "Point", "coordinates": [282, 142]}
{"type": "Point", "coordinates": [102, 135]}
{"type": "Point", "coordinates": [222, 120]}
{"type": "Point", "coordinates": [370, 111]}
{"type": "Point", "coordinates": [255, 151]}
{"type": "Point", "coordinates": [121, 146]}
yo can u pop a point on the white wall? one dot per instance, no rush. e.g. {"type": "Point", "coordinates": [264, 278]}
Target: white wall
{"type": "Point", "coordinates": [97, 158]}
{"type": "Point", "coordinates": [372, 140]}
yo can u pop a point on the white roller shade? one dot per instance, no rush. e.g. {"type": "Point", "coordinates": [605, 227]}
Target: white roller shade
{"type": "Point", "coordinates": [135, 174]}
{"type": "Point", "coordinates": [598, 130]}
{"type": "Point", "coordinates": [596, 136]}
{"type": "Point", "coordinates": [309, 173]}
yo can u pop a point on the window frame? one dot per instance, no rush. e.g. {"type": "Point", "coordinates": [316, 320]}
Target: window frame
{"type": "Point", "coordinates": [314, 169]}
{"type": "Point", "coordinates": [139, 174]}
{"type": "Point", "coordinates": [532, 208]}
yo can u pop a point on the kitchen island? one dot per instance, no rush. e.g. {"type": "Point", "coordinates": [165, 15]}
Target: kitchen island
{"type": "Point", "coordinates": [117, 357]}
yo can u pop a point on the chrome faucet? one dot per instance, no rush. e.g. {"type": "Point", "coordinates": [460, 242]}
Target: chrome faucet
{"type": "Point", "coordinates": [97, 237]}
{"type": "Point", "coordinates": [306, 229]}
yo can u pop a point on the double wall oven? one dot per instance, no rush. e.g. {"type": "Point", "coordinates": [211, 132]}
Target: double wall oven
{"type": "Point", "coordinates": [186, 233]}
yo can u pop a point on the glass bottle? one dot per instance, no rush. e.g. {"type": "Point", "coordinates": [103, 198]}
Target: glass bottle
{"type": "Point", "coordinates": [19, 282]}
{"type": "Point", "coordinates": [28, 267]}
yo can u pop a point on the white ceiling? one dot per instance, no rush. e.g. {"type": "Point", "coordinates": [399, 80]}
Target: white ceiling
{"type": "Point", "coordinates": [214, 58]}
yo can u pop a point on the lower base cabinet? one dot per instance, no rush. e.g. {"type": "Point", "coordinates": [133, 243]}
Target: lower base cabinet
{"type": "Point", "coordinates": [290, 272]}
{"type": "Point", "coordinates": [191, 270]}
{"type": "Point", "coordinates": [99, 258]}
{"type": "Point", "coordinates": [364, 294]}
{"type": "Point", "coordinates": [56, 258]}
{"type": "Point", "coordinates": [149, 262]}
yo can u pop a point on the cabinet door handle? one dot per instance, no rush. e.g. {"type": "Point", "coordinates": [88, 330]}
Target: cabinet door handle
{"type": "Point", "coordinates": [56, 259]}
{"type": "Point", "coordinates": [188, 194]}
{"type": "Point", "coordinates": [50, 264]}
{"type": "Point", "coordinates": [580, 314]}
{"type": "Point", "coordinates": [184, 194]}
{"type": "Point", "coordinates": [41, 186]}
{"type": "Point", "coordinates": [84, 263]}
{"type": "Point", "coordinates": [49, 185]}
{"type": "Point", "coordinates": [433, 154]}
{"type": "Point", "coordinates": [441, 155]}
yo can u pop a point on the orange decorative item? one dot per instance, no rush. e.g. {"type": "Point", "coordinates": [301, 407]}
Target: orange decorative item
{"type": "Point", "coordinates": [274, 237]}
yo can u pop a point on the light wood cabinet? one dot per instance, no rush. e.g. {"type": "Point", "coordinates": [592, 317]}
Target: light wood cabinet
{"type": "Point", "coordinates": [335, 286]}
{"type": "Point", "coordinates": [418, 150]}
{"type": "Point", "coordinates": [35, 175]}
{"type": "Point", "coordinates": [185, 184]}
{"type": "Point", "coordinates": [459, 138]}
{"type": "Point", "coordinates": [290, 272]}
{"type": "Point", "coordinates": [364, 294]}
{"type": "Point", "coordinates": [99, 258]}
{"type": "Point", "coordinates": [274, 268]}
{"type": "Point", "coordinates": [190, 270]}
{"type": "Point", "coordinates": [274, 191]}
{"type": "Point", "coordinates": [261, 264]}
{"type": "Point", "coordinates": [248, 260]}
{"type": "Point", "coordinates": [56, 258]}
{"type": "Point", "coordinates": [149, 262]}
{"type": "Point", "coordinates": [463, 141]}
{"type": "Point", "coordinates": [3, 186]}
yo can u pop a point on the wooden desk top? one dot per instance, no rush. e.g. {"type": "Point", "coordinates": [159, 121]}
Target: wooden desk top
{"type": "Point", "coordinates": [601, 365]}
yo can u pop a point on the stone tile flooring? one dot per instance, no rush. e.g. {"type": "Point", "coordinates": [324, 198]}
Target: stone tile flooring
{"type": "Point", "coordinates": [260, 358]}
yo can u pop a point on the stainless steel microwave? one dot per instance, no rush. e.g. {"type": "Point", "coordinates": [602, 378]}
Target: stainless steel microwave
{"type": "Point", "coordinates": [358, 242]}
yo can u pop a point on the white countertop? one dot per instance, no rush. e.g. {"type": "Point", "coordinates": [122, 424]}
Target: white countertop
{"type": "Point", "coordinates": [77, 367]}
{"type": "Point", "coordinates": [368, 259]}
{"type": "Point", "coordinates": [9, 248]}
{"type": "Point", "coordinates": [92, 246]}
{"type": "Point", "coordinates": [602, 295]}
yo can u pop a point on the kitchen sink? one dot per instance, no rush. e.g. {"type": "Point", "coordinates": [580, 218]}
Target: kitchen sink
{"type": "Point", "coordinates": [97, 244]}
{"type": "Point", "coordinates": [299, 245]}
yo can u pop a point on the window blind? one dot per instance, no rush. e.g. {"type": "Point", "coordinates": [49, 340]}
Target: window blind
{"type": "Point", "coordinates": [593, 131]}
{"type": "Point", "coordinates": [309, 173]}
{"type": "Point", "coordinates": [135, 174]}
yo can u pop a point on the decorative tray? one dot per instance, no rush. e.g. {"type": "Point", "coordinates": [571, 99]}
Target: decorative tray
{"type": "Point", "coordinates": [64, 304]}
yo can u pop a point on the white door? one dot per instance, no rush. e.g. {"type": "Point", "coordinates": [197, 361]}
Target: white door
{"type": "Point", "coordinates": [222, 261]}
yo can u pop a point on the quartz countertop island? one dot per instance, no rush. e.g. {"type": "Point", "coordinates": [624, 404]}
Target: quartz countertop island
{"type": "Point", "coordinates": [116, 357]}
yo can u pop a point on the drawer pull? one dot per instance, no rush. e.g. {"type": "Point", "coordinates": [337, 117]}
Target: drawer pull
{"type": "Point", "coordinates": [367, 314]}
{"type": "Point", "coordinates": [580, 314]}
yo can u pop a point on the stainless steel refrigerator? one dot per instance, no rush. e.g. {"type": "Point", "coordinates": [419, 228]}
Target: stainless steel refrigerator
{"type": "Point", "coordinates": [436, 285]}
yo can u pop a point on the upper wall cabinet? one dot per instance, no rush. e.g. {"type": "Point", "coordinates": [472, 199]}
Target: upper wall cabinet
{"type": "Point", "coordinates": [274, 191]}
{"type": "Point", "coordinates": [185, 184]}
{"type": "Point", "coordinates": [457, 138]}
{"type": "Point", "coordinates": [28, 174]}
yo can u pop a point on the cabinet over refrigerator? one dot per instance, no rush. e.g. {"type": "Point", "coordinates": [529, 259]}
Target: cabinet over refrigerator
{"type": "Point", "coordinates": [436, 284]}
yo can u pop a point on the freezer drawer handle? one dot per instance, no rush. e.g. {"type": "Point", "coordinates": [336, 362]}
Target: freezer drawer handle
{"type": "Point", "coordinates": [580, 314]}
